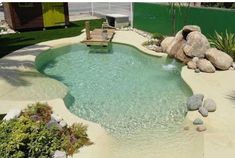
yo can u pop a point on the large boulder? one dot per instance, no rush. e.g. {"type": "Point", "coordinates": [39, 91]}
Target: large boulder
{"type": "Point", "coordinates": [219, 59]}
{"type": "Point", "coordinates": [175, 49]}
{"type": "Point", "coordinates": [192, 65]}
{"type": "Point", "coordinates": [196, 45]}
{"type": "Point", "coordinates": [205, 66]}
{"type": "Point", "coordinates": [195, 102]}
{"type": "Point", "coordinates": [166, 42]}
{"type": "Point", "coordinates": [191, 28]}
{"type": "Point", "coordinates": [209, 104]}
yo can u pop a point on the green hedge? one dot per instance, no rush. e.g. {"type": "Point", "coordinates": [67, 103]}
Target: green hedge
{"type": "Point", "coordinates": [154, 17]}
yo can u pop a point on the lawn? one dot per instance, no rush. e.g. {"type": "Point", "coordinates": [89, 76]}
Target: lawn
{"type": "Point", "coordinates": [12, 42]}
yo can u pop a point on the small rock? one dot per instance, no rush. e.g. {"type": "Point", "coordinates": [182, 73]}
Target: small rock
{"type": "Point", "coordinates": [203, 111]}
{"type": "Point", "coordinates": [198, 121]}
{"type": "Point", "coordinates": [59, 154]}
{"type": "Point", "coordinates": [201, 128]}
{"type": "Point", "coordinates": [150, 47]}
{"type": "Point", "coordinates": [63, 123]}
{"type": "Point", "coordinates": [186, 128]}
{"type": "Point", "coordinates": [195, 102]}
{"type": "Point", "coordinates": [191, 65]}
{"type": "Point", "coordinates": [35, 117]}
{"type": "Point", "coordinates": [210, 105]}
{"type": "Point", "coordinates": [195, 60]}
{"type": "Point", "coordinates": [157, 49]}
{"type": "Point", "coordinates": [56, 117]}
{"type": "Point", "coordinates": [12, 114]}
{"type": "Point", "coordinates": [197, 70]}
{"type": "Point", "coordinates": [53, 124]}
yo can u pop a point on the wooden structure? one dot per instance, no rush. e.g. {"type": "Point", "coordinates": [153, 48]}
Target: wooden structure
{"type": "Point", "coordinates": [26, 16]}
{"type": "Point", "coordinates": [98, 37]}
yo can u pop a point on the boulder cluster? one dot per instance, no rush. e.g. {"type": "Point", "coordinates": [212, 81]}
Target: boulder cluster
{"type": "Point", "coordinates": [195, 102]}
{"type": "Point", "coordinates": [193, 48]}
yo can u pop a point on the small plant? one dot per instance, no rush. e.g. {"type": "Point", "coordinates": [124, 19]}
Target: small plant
{"type": "Point", "coordinates": [158, 36]}
{"type": "Point", "coordinates": [39, 111]}
{"type": "Point", "coordinates": [224, 42]}
{"type": "Point", "coordinates": [27, 137]}
{"type": "Point", "coordinates": [151, 42]}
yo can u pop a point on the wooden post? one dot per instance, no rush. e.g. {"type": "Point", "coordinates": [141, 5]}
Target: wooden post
{"type": "Point", "coordinates": [87, 26]}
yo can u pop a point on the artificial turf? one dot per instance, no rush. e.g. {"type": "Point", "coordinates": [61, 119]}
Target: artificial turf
{"type": "Point", "coordinates": [12, 42]}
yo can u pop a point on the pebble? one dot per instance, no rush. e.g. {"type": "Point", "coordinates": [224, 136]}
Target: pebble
{"type": "Point", "coordinates": [201, 128]}
{"type": "Point", "coordinates": [197, 70]}
{"type": "Point", "coordinates": [186, 128]}
{"type": "Point", "coordinates": [198, 121]}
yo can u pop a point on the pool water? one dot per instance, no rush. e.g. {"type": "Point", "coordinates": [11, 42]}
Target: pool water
{"type": "Point", "coordinates": [139, 99]}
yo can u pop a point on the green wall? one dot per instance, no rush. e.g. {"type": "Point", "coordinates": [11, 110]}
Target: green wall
{"type": "Point", "coordinates": [157, 18]}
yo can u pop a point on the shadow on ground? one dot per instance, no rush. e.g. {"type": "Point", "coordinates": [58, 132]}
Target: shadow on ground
{"type": "Point", "coordinates": [231, 96]}
{"type": "Point", "coordinates": [16, 67]}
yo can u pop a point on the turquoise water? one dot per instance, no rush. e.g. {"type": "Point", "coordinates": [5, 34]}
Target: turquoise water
{"type": "Point", "coordinates": [135, 97]}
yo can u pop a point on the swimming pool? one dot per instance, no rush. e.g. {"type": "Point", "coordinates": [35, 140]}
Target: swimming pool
{"type": "Point", "coordinates": [137, 98]}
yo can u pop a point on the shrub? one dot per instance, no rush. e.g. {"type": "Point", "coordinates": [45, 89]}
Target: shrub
{"type": "Point", "coordinates": [224, 42]}
{"type": "Point", "coordinates": [26, 137]}
{"type": "Point", "coordinates": [39, 111]}
{"type": "Point", "coordinates": [158, 36]}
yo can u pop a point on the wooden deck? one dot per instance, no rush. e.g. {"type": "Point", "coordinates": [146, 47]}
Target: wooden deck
{"type": "Point", "coordinates": [97, 37]}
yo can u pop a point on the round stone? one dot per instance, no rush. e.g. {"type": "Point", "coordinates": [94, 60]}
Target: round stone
{"type": "Point", "coordinates": [203, 111]}
{"type": "Point", "coordinates": [210, 105]}
{"type": "Point", "coordinates": [201, 128]}
{"type": "Point", "coordinates": [198, 121]}
{"type": "Point", "coordinates": [195, 101]}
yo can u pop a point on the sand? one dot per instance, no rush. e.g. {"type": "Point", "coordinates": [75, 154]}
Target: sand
{"type": "Point", "coordinates": [19, 79]}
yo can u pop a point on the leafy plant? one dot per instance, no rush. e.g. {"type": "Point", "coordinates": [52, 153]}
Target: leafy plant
{"type": "Point", "coordinates": [224, 42]}
{"type": "Point", "coordinates": [158, 36]}
{"type": "Point", "coordinates": [27, 137]}
{"type": "Point", "coordinates": [39, 111]}
{"type": "Point", "coordinates": [173, 7]}
{"type": "Point", "coordinates": [74, 138]}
